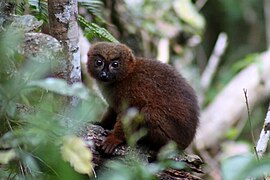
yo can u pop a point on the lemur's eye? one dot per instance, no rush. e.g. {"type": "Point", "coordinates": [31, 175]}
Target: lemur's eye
{"type": "Point", "coordinates": [115, 64]}
{"type": "Point", "coordinates": [99, 62]}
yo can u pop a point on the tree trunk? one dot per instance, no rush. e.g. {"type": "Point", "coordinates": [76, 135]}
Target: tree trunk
{"type": "Point", "coordinates": [64, 27]}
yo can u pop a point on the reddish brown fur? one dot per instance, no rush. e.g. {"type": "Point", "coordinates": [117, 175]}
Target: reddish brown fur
{"type": "Point", "coordinates": [157, 90]}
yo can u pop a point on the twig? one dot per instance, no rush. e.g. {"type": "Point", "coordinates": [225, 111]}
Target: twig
{"type": "Point", "coordinates": [22, 169]}
{"type": "Point", "coordinates": [250, 124]}
{"type": "Point", "coordinates": [264, 136]}
{"type": "Point", "coordinates": [249, 117]}
{"type": "Point", "coordinates": [213, 62]}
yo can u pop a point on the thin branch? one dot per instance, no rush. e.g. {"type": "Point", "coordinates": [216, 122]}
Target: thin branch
{"type": "Point", "coordinates": [249, 117]}
{"type": "Point", "coordinates": [264, 136]}
{"type": "Point", "coordinates": [213, 62]}
{"type": "Point", "coordinates": [250, 123]}
{"type": "Point", "coordinates": [22, 169]}
{"type": "Point", "coordinates": [46, 164]}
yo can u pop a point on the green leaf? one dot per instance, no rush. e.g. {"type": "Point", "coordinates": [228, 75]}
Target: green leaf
{"type": "Point", "coordinates": [11, 108]}
{"type": "Point", "coordinates": [232, 167]}
{"type": "Point", "coordinates": [131, 168]}
{"type": "Point", "coordinates": [92, 29]}
{"type": "Point", "coordinates": [94, 6]}
{"type": "Point", "coordinates": [232, 133]}
{"type": "Point", "coordinates": [243, 63]}
{"type": "Point", "coordinates": [61, 87]}
{"type": "Point", "coordinates": [256, 169]}
{"type": "Point", "coordinates": [168, 151]}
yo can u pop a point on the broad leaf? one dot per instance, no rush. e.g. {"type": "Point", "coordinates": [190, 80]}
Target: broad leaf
{"type": "Point", "coordinates": [60, 86]}
{"type": "Point", "coordinates": [75, 151]}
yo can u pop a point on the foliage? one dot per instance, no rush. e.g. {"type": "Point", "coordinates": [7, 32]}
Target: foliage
{"type": "Point", "coordinates": [225, 75]}
{"type": "Point", "coordinates": [131, 126]}
{"type": "Point", "coordinates": [94, 7]}
{"type": "Point", "coordinates": [245, 166]}
{"type": "Point", "coordinates": [38, 132]}
{"type": "Point", "coordinates": [134, 166]}
{"type": "Point", "coordinates": [186, 10]}
{"type": "Point", "coordinates": [93, 30]}
{"type": "Point", "coordinates": [237, 19]}
{"type": "Point", "coordinates": [181, 14]}
{"type": "Point", "coordinates": [34, 120]}
{"type": "Point", "coordinates": [39, 8]}
{"type": "Point", "coordinates": [75, 151]}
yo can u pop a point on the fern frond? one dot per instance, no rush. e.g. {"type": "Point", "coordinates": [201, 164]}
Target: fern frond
{"type": "Point", "coordinates": [39, 9]}
{"type": "Point", "coordinates": [93, 30]}
{"type": "Point", "coordinates": [93, 6]}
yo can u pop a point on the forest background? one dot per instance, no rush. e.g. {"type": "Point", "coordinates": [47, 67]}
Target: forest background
{"type": "Point", "coordinates": [221, 47]}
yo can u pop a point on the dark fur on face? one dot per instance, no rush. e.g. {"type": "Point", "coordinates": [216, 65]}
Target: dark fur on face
{"type": "Point", "coordinates": [167, 102]}
{"type": "Point", "coordinates": [108, 62]}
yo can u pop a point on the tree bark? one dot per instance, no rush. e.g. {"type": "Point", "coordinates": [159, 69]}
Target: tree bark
{"type": "Point", "coordinates": [264, 136]}
{"type": "Point", "coordinates": [94, 135]}
{"type": "Point", "coordinates": [64, 27]}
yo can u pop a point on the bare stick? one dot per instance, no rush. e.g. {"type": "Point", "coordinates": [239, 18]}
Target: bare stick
{"type": "Point", "coordinates": [250, 124]}
{"type": "Point", "coordinates": [249, 117]}
{"type": "Point", "coordinates": [264, 136]}
{"type": "Point", "coordinates": [213, 62]}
